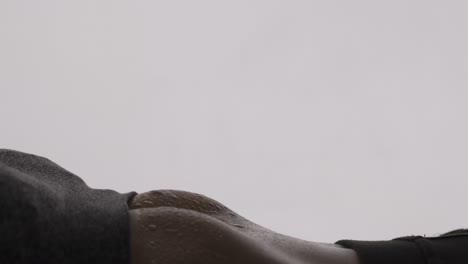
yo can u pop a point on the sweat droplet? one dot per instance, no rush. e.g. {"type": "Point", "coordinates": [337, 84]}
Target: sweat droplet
{"type": "Point", "coordinates": [152, 227]}
{"type": "Point", "coordinates": [148, 202]}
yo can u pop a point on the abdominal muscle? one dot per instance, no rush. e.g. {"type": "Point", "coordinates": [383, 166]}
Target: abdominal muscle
{"type": "Point", "coordinates": [175, 227]}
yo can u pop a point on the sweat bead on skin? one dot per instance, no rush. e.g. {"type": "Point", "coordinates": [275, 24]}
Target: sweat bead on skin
{"type": "Point", "coordinates": [188, 226]}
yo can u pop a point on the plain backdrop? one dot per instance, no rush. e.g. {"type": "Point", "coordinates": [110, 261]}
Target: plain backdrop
{"type": "Point", "coordinates": [322, 120]}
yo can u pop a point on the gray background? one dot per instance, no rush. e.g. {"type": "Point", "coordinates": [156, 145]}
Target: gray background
{"type": "Point", "coordinates": [319, 119]}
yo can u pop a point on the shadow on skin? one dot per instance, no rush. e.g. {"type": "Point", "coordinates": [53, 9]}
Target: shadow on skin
{"type": "Point", "coordinates": [168, 226]}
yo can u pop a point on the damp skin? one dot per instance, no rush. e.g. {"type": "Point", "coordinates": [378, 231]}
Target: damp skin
{"type": "Point", "coordinates": [172, 227]}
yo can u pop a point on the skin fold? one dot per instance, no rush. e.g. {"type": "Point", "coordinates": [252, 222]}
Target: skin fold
{"type": "Point", "coordinates": [175, 227]}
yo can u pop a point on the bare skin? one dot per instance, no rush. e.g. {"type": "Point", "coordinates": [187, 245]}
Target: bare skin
{"type": "Point", "coordinates": [176, 227]}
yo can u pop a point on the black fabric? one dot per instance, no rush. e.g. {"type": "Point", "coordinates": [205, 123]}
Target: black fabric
{"type": "Point", "coordinates": [49, 215]}
{"type": "Point", "coordinates": [449, 248]}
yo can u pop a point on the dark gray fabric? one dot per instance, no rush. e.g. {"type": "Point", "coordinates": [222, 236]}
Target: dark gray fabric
{"type": "Point", "coordinates": [49, 215]}
{"type": "Point", "coordinates": [449, 248]}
